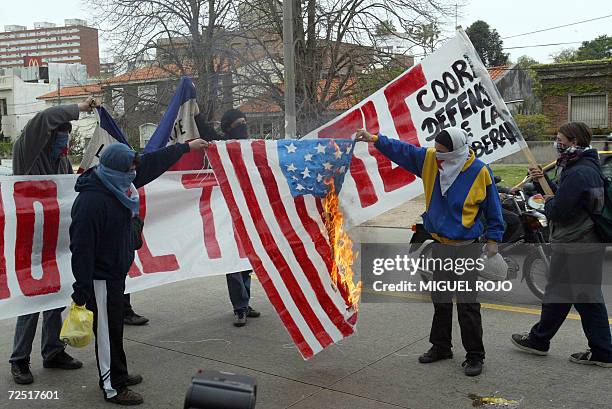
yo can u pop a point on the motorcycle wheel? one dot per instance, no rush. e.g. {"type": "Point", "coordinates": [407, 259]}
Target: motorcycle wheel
{"type": "Point", "coordinates": [535, 274]}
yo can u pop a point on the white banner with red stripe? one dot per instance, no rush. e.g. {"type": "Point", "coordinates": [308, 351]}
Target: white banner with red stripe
{"type": "Point", "coordinates": [450, 87]}
{"type": "Point", "coordinates": [187, 234]}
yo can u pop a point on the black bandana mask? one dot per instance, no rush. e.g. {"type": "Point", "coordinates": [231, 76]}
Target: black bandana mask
{"type": "Point", "coordinates": [240, 131]}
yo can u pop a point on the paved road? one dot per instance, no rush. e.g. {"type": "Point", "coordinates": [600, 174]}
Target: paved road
{"type": "Point", "coordinates": [375, 369]}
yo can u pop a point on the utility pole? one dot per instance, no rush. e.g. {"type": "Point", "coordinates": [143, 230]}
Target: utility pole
{"type": "Point", "coordinates": [456, 12]}
{"type": "Point", "coordinates": [59, 94]}
{"type": "Point", "coordinates": [289, 64]}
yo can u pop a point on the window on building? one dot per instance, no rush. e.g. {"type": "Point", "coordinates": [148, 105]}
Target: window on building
{"type": "Point", "coordinates": [118, 102]}
{"type": "Point", "coordinates": [590, 109]}
{"type": "Point", "coordinates": [147, 96]}
{"type": "Point", "coordinates": [146, 130]}
{"type": "Point", "coordinates": [3, 107]}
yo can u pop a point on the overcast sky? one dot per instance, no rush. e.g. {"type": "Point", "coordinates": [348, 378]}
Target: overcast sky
{"type": "Point", "coordinates": [509, 17]}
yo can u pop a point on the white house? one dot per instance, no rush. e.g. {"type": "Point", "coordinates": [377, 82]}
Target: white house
{"type": "Point", "coordinates": [18, 103]}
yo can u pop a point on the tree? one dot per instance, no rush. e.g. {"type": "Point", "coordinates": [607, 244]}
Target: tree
{"type": "Point", "coordinates": [184, 35]}
{"type": "Point", "coordinates": [385, 27]}
{"type": "Point", "coordinates": [525, 61]}
{"type": "Point", "coordinates": [597, 49]}
{"type": "Point", "coordinates": [335, 47]}
{"type": "Point", "coordinates": [487, 43]}
{"type": "Point", "coordinates": [565, 55]}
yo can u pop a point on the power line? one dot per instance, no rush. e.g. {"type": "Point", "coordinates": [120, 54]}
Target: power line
{"type": "Point", "coordinates": [554, 28]}
{"type": "Point", "coordinates": [542, 45]}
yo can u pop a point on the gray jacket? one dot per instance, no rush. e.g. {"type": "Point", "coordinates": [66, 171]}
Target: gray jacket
{"type": "Point", "coordinates": [32, 150]}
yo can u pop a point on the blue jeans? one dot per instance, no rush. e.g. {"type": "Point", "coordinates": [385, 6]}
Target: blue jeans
{"type": "Point", "coordinates": [239, 287]}
{"type": "Point", "coordinates": [25, 330]}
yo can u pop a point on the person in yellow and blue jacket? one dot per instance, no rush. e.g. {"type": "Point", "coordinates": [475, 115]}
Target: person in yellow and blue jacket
{"type": "Point", "coordinates": [460, 193]}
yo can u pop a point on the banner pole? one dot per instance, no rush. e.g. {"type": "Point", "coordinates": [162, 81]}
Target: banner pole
{"type": "Point", "coordinates": [532, 161]}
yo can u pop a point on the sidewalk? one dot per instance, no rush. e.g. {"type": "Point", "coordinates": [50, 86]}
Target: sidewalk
{"type": "Point", "coordinates": [375, 369]}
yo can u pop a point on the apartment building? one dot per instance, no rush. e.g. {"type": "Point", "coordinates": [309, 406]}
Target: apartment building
{"type": "Point", "coordinates": [72, 43]}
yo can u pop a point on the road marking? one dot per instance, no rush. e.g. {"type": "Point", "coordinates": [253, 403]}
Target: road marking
{"type": "Point", "coordinates": [489, 306]}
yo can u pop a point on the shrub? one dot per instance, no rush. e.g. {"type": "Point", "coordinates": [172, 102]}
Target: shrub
{"type": "Point", "coordinates": [533, 127]}
{"type": "Point", "coordinates": [6, 149]}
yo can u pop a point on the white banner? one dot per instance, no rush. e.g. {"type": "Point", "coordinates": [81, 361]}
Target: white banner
{"type": "Point", "coordinates": [450, 87]}
{"type": "Point", "coordinates": [187, 232]}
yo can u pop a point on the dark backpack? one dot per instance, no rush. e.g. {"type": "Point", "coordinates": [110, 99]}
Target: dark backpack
{"type": "Point", "coordinates": [603, 221]}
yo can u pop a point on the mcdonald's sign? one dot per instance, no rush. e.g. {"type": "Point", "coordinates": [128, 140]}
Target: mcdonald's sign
{"type": "Point", "coordinates": [29, 61]}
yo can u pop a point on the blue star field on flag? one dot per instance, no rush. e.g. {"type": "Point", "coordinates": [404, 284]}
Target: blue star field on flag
{"type": "Point", "coordinates": [309, 165]}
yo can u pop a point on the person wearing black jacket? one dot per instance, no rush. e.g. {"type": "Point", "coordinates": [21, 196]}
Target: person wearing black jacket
{"type": "Point", "coordinates": [577, 256]}
{"type": "Point", "coordinates": [234, 126]}
{"type": "Point", "coordinates": [103, 238]}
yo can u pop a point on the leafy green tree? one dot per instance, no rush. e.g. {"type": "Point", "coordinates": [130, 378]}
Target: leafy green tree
{"type": "Point", "coordinates": [487, 43]}
{"type": "Point", "coordinates": [525, 61]}
{"type": "Point", "coordinates": [597, 49]}
{"type": "Point", "coordinates": [565, 55]}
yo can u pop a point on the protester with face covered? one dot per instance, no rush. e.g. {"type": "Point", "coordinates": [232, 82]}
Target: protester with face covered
{"type": "Point", "coordinates": [576, 264]}
{"type": "Point", "coordinates": [459, 188]}
{"type": "Point", "coordinates": [233, 126]}
{"type": "Point", "coordinates": [104, 233]}
{"type": "Point", "coordinates": [42, 149]}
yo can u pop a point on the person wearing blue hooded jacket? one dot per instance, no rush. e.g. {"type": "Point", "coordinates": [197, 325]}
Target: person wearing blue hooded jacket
{"type": "Point", "coordinates": [576, 264]}
{"type": "Point", "coordinates": [103, 239]}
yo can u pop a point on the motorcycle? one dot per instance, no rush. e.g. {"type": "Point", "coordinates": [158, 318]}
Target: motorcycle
{"type": "Point", "coordinates": [533, 230]}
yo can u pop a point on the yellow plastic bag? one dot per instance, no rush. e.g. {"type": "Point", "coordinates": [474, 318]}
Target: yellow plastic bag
{"type": "Point", "coordinates": [77, 329]}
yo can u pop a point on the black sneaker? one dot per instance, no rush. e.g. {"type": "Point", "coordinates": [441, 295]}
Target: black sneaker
{"type": "Point", "coordinates": [586, 358]}
{"type": "Point", "coordinates": [434, 355]}
{"type": "Point", "coordinates": [522, 342]}
{"type": "Point", "coordinates": [133, 380]}
{"type": "Point", "coordinates": [135, 319]}
{"type": "Point", "coordinates": [472, 367]}
{"type": "Point", "coordinates": [62, 360]}
{"type": "Point", "coordinates": [240, 318]}
{"type": "Point", "coordinates": [127, 398]}
{"type": "Point", "coordinates": [21, 373]}
{"type": "Point", "coordinates": [251, 313]}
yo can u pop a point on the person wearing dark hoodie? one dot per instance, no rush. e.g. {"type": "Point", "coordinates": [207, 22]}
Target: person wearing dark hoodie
{"type": "Point", "coordinates": [234, 126]}
{"type": "Point", "coordinates": [103, 238]}
{"type": "Point", "coordinates": [42, 149]}
{"type": "Point", "coordinates": [576, 263]}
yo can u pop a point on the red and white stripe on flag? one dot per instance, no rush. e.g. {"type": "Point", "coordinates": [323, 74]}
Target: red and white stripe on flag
{"type": "Point", "coordinates": [286, 242]}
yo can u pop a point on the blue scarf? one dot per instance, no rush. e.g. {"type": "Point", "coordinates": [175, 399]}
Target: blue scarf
{"type": "Point", "coordinates": [119, 183]}
{"type": "Point", "coordinates": [59, 145]}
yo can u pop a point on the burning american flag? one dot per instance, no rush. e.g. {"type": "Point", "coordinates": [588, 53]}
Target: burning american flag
{"type": "Point", "coordinates": [283, 197]}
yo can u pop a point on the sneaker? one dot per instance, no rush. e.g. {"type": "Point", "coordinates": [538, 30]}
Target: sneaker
{"type": "Point", "coordinates": [133, 380]}
{"type": "Point", "coordinates": [522, 342]}
{"type": "Point", "coordinates": [472, 367]}
{"type": "Point", "coordinates": [586, 358]}
{"type": "Point", "coordinates": [251, 313]}
{"type": "Point", "coordinates": [135, 319]}
{"type": "Point", "coordinates": [21, 373]}
{"type": "Point", "coordinates": [127, 398]}
{"type": "Point", "coordinates": [434, 355]}
{"type": "Point", "coordinates": [62, 360]}
{"type": "Point", "coordinates": [240, 318]}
